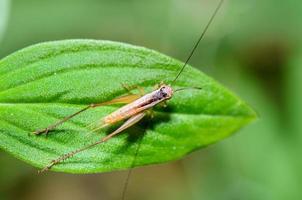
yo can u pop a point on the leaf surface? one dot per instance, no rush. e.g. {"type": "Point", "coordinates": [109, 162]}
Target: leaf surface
{"type": "Point", "coordinates": [45, 82]}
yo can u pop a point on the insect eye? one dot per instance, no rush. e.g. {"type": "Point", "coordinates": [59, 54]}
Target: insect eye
{"type": "Point", "coordinates": [165, 94]}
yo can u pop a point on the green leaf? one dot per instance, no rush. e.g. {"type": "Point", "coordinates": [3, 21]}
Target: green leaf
{"type": "Point", "coordinates": [45, 82]}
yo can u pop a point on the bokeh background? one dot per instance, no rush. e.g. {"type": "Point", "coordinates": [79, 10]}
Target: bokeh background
{"type": "Point", "coordinates": [254, 48]}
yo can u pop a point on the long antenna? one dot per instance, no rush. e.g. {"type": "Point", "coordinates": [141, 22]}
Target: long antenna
{"type": "Point", "coordinates": [199, 39]}
{"type": "Point", "coordinates": [183, 67]}
{"type": "Point", "coordinates": [131, 167]}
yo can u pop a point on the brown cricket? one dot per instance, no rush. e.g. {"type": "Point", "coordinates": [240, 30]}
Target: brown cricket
{"type": "Point", "coordinates": [135, 109]}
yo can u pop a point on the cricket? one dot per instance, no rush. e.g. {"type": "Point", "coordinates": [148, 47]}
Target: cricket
{"type": "Point", "coordinates": [136, 106]}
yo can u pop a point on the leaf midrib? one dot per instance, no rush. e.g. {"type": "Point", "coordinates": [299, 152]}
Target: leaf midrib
{"type": "Point", "coordinates": [118, 106]}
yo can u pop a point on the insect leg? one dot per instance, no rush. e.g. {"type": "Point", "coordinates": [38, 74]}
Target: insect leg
{"type": "Point", "coordinates": [127, 88]}
{"type": "Point", "coordinates": [123, 99]}
{"type": "Point", "coordinates": [130, 88]}
{"type": "Point", "coordinates": [130, 122]}
{"type": "Point", "coordinates": [158, 85]}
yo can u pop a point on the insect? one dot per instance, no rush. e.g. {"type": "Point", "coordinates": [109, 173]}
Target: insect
{"type": "Point", "coordinates": [135, 109]}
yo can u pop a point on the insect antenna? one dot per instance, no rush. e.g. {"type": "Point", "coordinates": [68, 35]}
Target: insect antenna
{"type": "Point", "coordinates": [188, 88]}
{"type": "Point", "coordinates": [199, 39]}
{"type": "Point", "coordinates": [183, 67]}
{"type": "Point", "coordinates": [131, 168]}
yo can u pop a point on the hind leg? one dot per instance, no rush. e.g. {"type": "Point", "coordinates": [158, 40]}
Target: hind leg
{"type": "Point", "coordinates": [123, 99]}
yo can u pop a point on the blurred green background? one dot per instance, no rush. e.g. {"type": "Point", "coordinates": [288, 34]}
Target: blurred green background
{"type": "Point", "coordinates": [254, 48]}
